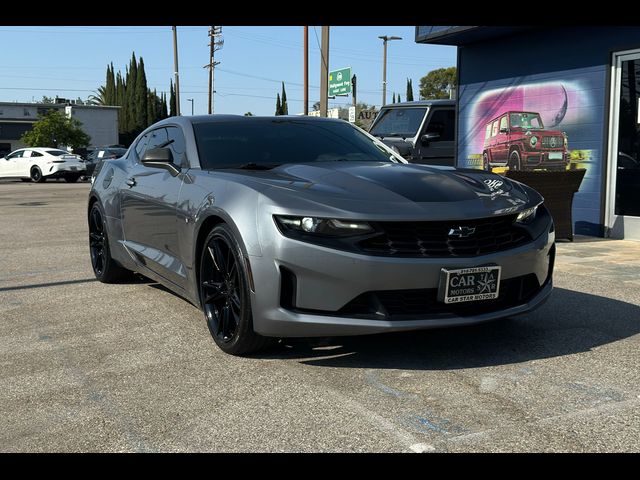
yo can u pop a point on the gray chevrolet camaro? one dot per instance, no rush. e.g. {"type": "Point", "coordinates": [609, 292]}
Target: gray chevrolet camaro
{"type": "Point", "coordinates": [299, 227]}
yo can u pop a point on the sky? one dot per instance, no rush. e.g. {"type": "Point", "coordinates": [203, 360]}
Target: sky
{"type": "Point", "coordinates": [71, 62]}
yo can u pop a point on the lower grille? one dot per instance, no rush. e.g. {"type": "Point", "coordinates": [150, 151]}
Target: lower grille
{"type": "Point", "coordinates": [432, 239]}
{"type": "Point", "coordinates": [423, 303]}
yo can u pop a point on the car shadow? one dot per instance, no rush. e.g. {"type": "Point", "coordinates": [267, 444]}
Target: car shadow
{"type": "Point", "coordinates": [569, 322]}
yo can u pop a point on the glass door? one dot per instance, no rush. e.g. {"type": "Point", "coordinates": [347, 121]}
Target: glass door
{"type": "Point", "coordinates": [623, 188]}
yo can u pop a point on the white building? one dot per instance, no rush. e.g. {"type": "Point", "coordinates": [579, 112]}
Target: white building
{"type": "Point", "coordinates": [100, 123]}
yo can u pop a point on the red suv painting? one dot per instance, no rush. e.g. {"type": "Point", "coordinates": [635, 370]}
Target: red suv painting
{"type": "Point", "coordinates": [519, 141]}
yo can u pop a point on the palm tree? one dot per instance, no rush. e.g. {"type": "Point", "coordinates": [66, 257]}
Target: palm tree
{"type": "Point", "coordinates": [99, 98]}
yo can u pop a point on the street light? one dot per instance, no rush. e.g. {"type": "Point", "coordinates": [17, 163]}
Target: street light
{"type": "Point", "coordinates": [191, 100]}
{"type": "Point", "coordinates": [385, 39]}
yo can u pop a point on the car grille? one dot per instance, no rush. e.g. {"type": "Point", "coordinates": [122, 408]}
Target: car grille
{"type": "Point", "coordinates": [432, 239]}
{"type": "Point", "coordinates": [553, 142]}
{"type": "Point", "coordinates": [423, 303]}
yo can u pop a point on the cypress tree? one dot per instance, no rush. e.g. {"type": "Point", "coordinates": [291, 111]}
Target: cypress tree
{"type": "Point", "coordinates": [164, 111]}
{"type": "Point", "coordinates": [151, 108]}
{"type": "Point", "coordinates": [284, 108]}
{"type": "Point", "coordinates": [394, 98]}
{"type": "Point", "coordinates": [399, 99]}
{"type": "Point", "coordinates": [141, 97]}
{"type": "Point", "coordinates": [172, 100]}
{"type": "Point", "coordinates": [278, 105]}
{"type": "Point", "coordinates": [409, 90]}
{"type": "Point", "coordinates": [129, 106]}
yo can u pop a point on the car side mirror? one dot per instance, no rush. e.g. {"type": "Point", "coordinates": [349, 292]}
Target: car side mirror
{"type": "Point", "coordinates": [429, 137]}
{"type": "Point", "coordinates": [160, 158]}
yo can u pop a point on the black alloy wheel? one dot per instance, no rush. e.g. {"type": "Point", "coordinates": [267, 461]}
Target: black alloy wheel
{"type": "Point", "coordinates": [224, 294]}
{"type": "Point", "coordinates": [104, 267]}
{"type": "Point", "coordinates": [36, 175]}
{"type": "Point", "coordinates": [485, 162]}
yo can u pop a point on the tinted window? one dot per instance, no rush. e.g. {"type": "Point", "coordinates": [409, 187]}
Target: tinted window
{"type": "Point", "coordinates": [274, 142]}
{"type": "Point", "coordinates": [157, 138]}
{"type": "Point", "coordinates": [178, 146]}
{"type": "Point", "coordinates": [17, 154]}
{"type": "Point", "coordinates": [141, 146]}
{"type": "Point", "coordinates": [503, 123]}
{"type": "Point", "coordinates": [398, 122]}
{"type": "Point", "coordinates": [35, 154]}
{"type": "Point", "coordinates": [526, 120]}
{"type": "Point", "coordinates": [57, 153]}
{"type": "Point", "coordinates": [442, 122]}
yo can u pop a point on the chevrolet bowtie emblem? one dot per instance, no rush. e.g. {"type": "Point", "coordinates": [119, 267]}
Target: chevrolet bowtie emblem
{"type": "Point", "coordinates": [461, 232]}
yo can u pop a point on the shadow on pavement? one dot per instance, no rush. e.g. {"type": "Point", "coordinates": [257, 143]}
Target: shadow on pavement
{"type": "Point", "coordinates": [569, 322]}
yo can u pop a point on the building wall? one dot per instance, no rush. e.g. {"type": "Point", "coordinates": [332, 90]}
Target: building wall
{"type": "Point", "coordinates": [562, 74]}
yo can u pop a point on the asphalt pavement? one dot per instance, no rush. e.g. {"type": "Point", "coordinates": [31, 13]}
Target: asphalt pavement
{"type": "Point", "coordinates": [132, 368]}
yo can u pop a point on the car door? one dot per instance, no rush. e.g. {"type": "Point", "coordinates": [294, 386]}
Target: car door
{"type": "Point", "coordinates": [149, 199]}
{"type": "Point", "coordinates": [9, 165]}
{"type": "Point", "coordinates": [440, 149]}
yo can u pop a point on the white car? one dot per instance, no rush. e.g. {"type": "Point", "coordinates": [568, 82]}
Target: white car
{"type": "Point", "coordinates": [39, 164]}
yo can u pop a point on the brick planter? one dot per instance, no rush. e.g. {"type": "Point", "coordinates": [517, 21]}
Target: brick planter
{"type": "Point", "coordinates": [558, 189]}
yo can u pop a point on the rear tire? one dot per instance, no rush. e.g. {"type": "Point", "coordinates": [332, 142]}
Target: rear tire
{"type": "Point", "coordinates": [105, 268]}
{"type": "Point", "coordinates": [36, 175]}
{"type": "Point", "coordinates": [71, 178]}
{"type": "Point", "coordinates": [485, 162]}
{"type": "Point", "coordinates": [225, 296]}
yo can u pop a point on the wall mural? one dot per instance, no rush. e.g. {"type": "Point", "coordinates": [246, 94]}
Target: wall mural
{"type": "Point", "coordinates": [527, 127]}
{"type": "Point", "coordinates": [542, 122]}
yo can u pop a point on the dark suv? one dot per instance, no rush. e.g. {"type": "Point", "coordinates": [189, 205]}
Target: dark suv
{"type": "Point", "coordinates": [422, 131]}
{"type": "Point", "coordinates": [519, 141]}
{"type": "Point", "coordinates": [103, 153]}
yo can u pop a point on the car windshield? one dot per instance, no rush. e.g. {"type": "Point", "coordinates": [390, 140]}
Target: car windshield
{"type": "Point", "coordinates": [527, 121]}
{"type": "Point", "coordinates": [270, 142]}
{"type": "Point", "coordinates": [399, 122]}
{"type": "Point", "coordinates": [58, 153]}
{"type": "Point", "coordinates": [118, 152]}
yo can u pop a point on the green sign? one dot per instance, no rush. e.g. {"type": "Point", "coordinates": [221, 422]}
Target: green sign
{"type": "Point", "coordinates": [340, 82]}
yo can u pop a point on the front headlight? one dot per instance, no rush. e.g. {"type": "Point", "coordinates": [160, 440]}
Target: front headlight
{"type": "Point", "coordinates": [527, 216]}
{"type": "Point", "coordinates": [323, 226]}
{"type": "Point", "coordinates": [533, 141]}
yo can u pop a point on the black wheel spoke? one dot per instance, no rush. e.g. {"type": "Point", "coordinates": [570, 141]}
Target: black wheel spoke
{"type": "Point", "coordinates": [219, 289]}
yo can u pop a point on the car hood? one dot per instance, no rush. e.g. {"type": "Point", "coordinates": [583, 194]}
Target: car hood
{"type": "Point", "coordinates": [390, 190]}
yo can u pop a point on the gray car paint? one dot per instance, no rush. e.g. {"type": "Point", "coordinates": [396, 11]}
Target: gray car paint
{"type": "Point", "coordinates": [153, 228]}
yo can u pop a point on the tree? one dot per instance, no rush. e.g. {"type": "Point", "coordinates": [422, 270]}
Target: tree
{"type": "Point", "coordinates": [284, 108]}
{"type": "Point", "coordinates": [394, 98]}
{"type": "Point", "coordinates": [55, 129]}
{"type": "Point", "coordinates": [46, 99]}
{"type": "Point", "coordinates": [99, 97]}
{"type": "Point", "coordinates": [172, 100]}
{"type": "Point", "coordinates": [278, 105]}
{"type": "Point", "coordinates": [409, 90]}
{"type": "Point", "coordinates": [140, 96]}
{"type": "Point", "coordinates": [438, 83]}
{"type": "Point", "coordinates": [399, 99]}
{"type": "Point", "coordinates": [248, 114]}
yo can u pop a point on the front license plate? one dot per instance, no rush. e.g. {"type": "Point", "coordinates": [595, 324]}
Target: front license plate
{"type": "Point", "coordinates": [469, 284]}
{"type": "Point", "coordinates": [555, 155]}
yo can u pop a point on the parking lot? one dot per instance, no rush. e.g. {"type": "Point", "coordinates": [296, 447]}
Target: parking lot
{"type": "Point", "coordinates": [131, 367]}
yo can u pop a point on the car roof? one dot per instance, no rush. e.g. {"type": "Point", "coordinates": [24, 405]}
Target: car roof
{"type": "Point", "coordinates": [221, 118]}
{"type": "Point", "coordinates": [42, 149]}
{"type": "Point", "coordinates": [422, 103]}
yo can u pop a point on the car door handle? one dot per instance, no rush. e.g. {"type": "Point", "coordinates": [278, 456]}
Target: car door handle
{"type": "Point", "coordinates": [131, 182]}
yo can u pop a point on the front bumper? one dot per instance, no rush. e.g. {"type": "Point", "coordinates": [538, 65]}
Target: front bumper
{"type": "Point", "coordinates": [326, 280]}
{"type": "Point", "coordinates": [540, 159]}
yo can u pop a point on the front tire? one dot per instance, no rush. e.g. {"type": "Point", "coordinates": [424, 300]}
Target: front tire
{"type": "Point", "coordinates": [104, 266]}
{"type": "Point", "coordinates": [485, 162]}
{"type": "Point", "coordinates": [36, 175]}
{"type": "Point", "coordinates": [514, 161]}
{"type": "Point", "coordinates": [224, 294]}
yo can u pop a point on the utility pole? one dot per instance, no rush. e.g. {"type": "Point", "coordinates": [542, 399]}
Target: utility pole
{"type": "Point", "coordinates": [353, 89]}
{"type": "Point", "coordinates": [191, 100]}
{"type": "Point", "coordinates": [385, 39]}
{"type": "Point", "coordinates": [215, 44]}
{"type": "Point", "coordinates": [306, 70]}
{"type": "Point", "coordinates": [324, 72]}
{"type": "Point", "coordinates": [175, 68]}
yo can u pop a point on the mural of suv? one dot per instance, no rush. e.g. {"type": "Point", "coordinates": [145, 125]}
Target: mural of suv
{"type": "Point", "coordinates": [519, 141]}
